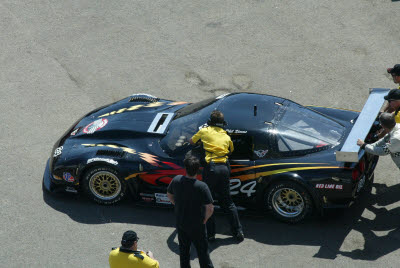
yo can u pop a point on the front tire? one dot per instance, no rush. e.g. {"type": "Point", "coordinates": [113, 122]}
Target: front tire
{"type": "Point", "coordinates": [104, 186]}
{"type": "Point", "coordinates": [289, 201]}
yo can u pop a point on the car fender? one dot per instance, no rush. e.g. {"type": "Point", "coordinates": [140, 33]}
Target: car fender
{"type": "Point", "coordinates": [266, 182]}
{"type": "Point", "coordinates": [85, 166]}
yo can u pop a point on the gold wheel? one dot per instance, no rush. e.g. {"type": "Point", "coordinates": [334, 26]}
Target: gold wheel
{"type": "Point", "coordinates": [288, 202]}
{"type": "Point", "coordinates": [104, 185]}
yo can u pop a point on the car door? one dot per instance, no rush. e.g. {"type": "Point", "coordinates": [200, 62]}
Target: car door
{"type": "Point", "coordinates": [242, 178]}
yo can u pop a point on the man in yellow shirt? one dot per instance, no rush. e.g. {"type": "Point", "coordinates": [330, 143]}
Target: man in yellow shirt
{"type": "Point", "coordinates": [128, 256]}
{"type": "Point", "coordinates": [218, 146]}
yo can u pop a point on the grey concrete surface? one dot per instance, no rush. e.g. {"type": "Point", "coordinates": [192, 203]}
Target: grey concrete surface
{"type": "Point", "coordinates": [61, 59]}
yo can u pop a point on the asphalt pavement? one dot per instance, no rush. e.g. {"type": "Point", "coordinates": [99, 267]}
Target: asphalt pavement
{"type": "Point", "coordinates": [61, 59]}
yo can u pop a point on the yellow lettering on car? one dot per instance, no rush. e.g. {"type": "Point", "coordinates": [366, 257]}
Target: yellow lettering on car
{"type": "Point", "coordinates": [134, 107]}
{"type": "Point", "coordinates": [121, 110]}
{"type": "Point", "coordinates": [154, 104]}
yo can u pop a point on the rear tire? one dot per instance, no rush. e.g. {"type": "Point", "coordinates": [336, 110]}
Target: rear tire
{"type": "Point", "coordinates": [289, 201]}
{"type": "Point", "coordinates": [103, 185]}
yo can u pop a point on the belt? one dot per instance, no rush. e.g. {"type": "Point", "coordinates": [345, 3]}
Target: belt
{"type": "Point", "coordinates": [217, 164]}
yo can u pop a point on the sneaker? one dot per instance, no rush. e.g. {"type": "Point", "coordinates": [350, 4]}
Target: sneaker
{"type": "Point", "coordinates": [239, 236]}
{"type": "Point", "coordinates": [211, 238]}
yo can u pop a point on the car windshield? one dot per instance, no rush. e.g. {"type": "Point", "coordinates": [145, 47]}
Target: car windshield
{"type": "Point", "coordinates": [185, 124]}
{"type": "Point", "coordinates": [301, 129]}
{"type": "Point", "coordinates": [194, 107]}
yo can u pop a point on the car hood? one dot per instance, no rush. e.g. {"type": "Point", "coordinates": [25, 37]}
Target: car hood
{"type": "Point", "coordinates": [126, 117]}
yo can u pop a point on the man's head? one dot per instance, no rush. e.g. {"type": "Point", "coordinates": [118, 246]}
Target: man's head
{"type": "Point", "coordinates": [217, 119]}
{"type": "Point", "coordinates": [192, 165]}
{"type": "Point", "coordinates": [129, 239]}
{"type": "Point", "coordinates": [395, 72]}
{"type": "Point", "coordinates": [393, 97]}
{"type": "Point", "coordinates": [387, 120]}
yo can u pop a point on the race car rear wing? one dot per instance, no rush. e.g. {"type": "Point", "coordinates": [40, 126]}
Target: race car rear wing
{"type": "Point", "coordinates": [350, 149]}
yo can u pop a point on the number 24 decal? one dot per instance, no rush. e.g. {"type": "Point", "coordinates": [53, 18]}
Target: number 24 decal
{"type": "Point", "coordinates": [246, 188]}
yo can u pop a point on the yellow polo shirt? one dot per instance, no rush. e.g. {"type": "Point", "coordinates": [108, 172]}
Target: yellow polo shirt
{"type": "Point", "coordinates": [119, 259]}
{"type": "Point", "coordinates": [397, 117]}
{"type": "Point", "coordinates": [216, 143]}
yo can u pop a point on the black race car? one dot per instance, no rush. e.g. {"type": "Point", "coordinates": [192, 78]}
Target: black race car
{"type": "Point", "coordinates": [284, 157]}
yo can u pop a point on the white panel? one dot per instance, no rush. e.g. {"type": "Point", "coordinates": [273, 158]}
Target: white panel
{"type": "Point", "coordinates": [362, 126]}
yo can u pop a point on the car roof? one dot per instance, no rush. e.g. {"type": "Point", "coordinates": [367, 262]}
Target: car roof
{"type": "Point", "coordinates": [243, 110]}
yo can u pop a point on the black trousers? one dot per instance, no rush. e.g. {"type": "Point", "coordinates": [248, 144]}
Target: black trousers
{"type": "Point", "coordinates": [218, 182]}
{"type": "Point", "coordinates": [200, 242]}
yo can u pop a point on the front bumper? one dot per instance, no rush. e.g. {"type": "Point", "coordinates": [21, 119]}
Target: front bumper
{"type": "Point", "coordinates": [55, 186]}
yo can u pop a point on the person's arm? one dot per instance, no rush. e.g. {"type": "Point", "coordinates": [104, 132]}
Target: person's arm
{"type": "Point", "coordinates": [230, 147]}
{"type": "Point", "coordinates": [208, 203]}
{"type": "Point", "coordinates": [209, 212]}
{"type": "Point", "coordinates": [377, 148]}
{"type": "Point", "coordinates": [171, 198]}
{"type": "Point", "coordinates": [196, 137]}
{"type": "Point", "coordinates": [382, 133]}
{"type": "Point", "coordinates": [170, 191]}
{"type": "Point", "coordinates": [153, 263]}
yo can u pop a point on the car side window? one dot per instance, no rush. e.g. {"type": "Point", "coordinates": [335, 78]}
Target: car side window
{"type": "Point", "coordinates": [301, 131]}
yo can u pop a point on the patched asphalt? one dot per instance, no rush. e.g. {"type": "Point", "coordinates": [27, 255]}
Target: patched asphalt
{"type": "Point", "coordinates": [61, 59]}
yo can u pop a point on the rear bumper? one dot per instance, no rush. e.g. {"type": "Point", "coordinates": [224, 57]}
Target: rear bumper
{"type": "Point", "coordinates": [363, 186]}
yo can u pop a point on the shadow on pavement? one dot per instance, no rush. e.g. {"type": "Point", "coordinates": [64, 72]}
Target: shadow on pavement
{"type": "Point", "coordinates": [380, 231]}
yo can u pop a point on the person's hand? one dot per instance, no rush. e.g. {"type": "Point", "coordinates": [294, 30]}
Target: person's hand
{"type": "Point", "coordinates": [150, 254]}
{"type": "Point", "coordinates": [360, 142]}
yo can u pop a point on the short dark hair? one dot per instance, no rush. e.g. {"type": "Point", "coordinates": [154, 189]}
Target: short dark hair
{"type": "Point", "coordinates": [128, 239]}
{"type": "Point", "coordinates": [192, 165]}
{"type": "Point", "coordinates": [217, 117]}
{"type": "Point", "coordinates": [387, 120]}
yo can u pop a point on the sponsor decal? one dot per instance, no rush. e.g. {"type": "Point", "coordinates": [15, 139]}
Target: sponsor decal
{"type": "Point", "coordinates": [95, 125]}
{"type": "Point", "coordinates": [58, 151]}
{"type": "Point", "coordinates": [71, 189]}
{"type": "Point", "coordinates": [162, 198]}
{"type": "Point", "coordinates": [236, 131]}
{"type": "Point", "coordinates": [74, 132]}
{"type": "Point", "coordinates": [68, 177]}
{"type": "Point", "coordinates": [329, 186]}
{"type": "Point", "coordinates": [261, 153]}
{"type": "Point", "coordinates": [147, 197]}
{"type": "Point", "coordinates": [110, 161]}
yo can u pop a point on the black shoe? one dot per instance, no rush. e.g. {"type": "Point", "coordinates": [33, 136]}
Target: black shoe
{"type": "Point", "coordinates": [211, 238]}
{"type": "Point", "coordinates": [239, 236]}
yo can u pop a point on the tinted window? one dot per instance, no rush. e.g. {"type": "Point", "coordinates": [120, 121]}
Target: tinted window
{"type": "Point", "coordinates": [301, 129]}
{"type": "Point", "coordinates": [194, 107]}
{"type": "Point", "coordinates": [243, 147]}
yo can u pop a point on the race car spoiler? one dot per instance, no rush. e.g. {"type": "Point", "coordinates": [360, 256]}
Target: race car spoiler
{"type": "Point", "coordinates": [350, 150]}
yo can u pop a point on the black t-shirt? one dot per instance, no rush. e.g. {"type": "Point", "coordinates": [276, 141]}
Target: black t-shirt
{"type": "Point", "coordinates": [191, 196]}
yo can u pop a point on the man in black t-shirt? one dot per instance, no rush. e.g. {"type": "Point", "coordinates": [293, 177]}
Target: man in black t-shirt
{"type": "Point", "coordinates": [193, 207]}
